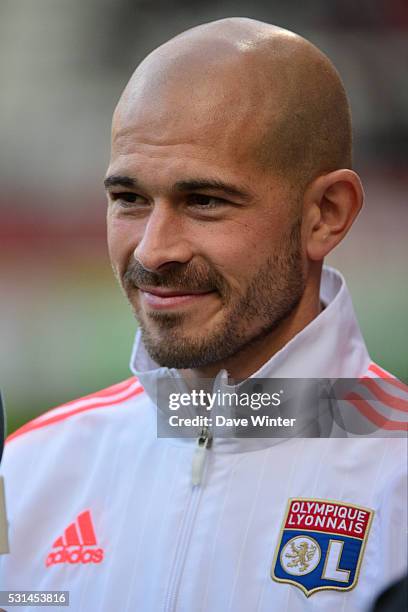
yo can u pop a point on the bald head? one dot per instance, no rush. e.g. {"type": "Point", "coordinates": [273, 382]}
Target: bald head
{"type": "Point", "coordinates": [256, 90]}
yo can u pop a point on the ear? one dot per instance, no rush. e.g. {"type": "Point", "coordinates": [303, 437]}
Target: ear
{"type": "Point", "coordinates": [331, 204]}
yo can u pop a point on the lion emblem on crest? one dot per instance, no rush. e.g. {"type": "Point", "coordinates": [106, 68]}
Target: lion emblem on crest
{"type": "Point", "coordinates": [301, 555]}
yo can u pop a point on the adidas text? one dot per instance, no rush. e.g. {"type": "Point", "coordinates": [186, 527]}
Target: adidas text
{"type": "Point", "coordinates": [78, 554]}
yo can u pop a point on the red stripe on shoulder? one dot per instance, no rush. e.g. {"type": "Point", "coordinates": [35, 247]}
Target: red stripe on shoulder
{"type": "Point", "coordinates": [104, 398]}
{"type": "Point", "coordinates": [372, 415]}
{"type": "Point", "coordinates": [112, 390]}
{"type": "Point", "coordinates": [386, 398]}
{"type": "Point", "coordinates": [375, 369]}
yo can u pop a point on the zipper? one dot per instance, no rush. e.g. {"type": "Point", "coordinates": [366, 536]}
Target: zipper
{"type": "Point", "coordinates": [203, 443]}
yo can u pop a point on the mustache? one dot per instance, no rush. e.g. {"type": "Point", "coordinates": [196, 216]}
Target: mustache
{"type": "Point", "coordinates": [179, 276]}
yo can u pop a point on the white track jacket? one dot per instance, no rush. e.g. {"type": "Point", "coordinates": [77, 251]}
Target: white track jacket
{"type": "Point", "coordinates": [101, 507]}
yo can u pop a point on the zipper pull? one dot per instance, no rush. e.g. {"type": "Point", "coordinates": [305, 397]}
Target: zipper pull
{"type": "Point", "coordinates": [203, 442]}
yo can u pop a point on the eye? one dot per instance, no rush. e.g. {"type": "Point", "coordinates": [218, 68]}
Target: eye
{"type": "Point", "coordinates": [205, 202]}
{"type": "Point", "coordinates": [128, 199]}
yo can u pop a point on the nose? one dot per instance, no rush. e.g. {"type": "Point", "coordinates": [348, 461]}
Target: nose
{"type": "Point", "coordinates": [163, 240]}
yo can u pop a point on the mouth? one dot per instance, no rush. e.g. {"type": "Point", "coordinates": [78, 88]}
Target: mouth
{"type": "Point", "coordinates": [162, 298]}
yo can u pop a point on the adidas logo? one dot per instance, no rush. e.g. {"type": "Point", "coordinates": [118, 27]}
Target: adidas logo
{"type": "Point", "coordinates": [78, 544]}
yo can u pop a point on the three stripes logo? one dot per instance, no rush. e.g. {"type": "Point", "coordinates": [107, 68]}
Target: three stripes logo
{"type": "Point", "coordinates": [78, 543]}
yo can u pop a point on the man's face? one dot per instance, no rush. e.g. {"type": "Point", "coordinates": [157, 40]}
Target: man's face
{"type": "Point", "coordinates": [206, 245]}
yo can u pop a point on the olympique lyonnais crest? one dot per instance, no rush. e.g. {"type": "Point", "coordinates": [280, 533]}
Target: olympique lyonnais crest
{"type": "Point", "coordinates": [321, 545]}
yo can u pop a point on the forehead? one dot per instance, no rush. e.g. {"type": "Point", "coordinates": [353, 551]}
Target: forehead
{"type": "Point", "coordinates": [212, 114]}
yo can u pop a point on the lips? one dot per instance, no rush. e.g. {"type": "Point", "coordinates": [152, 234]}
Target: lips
{"type": "Point", "coordinates": [165, 292]}
{"type": "Point", "coordinates": [161, 298]}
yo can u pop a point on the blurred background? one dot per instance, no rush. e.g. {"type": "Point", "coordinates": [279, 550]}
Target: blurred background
{"type": "Point", "coordinates": [65, 328]}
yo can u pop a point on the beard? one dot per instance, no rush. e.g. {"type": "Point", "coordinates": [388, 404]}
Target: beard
{"type": "Point", "coordinates": [271, 296]}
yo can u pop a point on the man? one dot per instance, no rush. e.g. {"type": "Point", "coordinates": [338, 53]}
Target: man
{"type": "Point", "coordinates": [229, 183]}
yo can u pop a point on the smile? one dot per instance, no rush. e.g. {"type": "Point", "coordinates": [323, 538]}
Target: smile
{"type": "Point", "coordinates": [160, 298]}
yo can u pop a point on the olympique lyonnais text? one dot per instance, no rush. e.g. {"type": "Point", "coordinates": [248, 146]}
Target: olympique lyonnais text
{"type": "Point", "coordinates": [327, 517]}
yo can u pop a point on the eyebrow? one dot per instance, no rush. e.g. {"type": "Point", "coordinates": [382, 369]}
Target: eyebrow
{"type": "Point", "coordinates": [213, 184]}
{"type": "Point", "coordinates": [119, 180]}
{"type": "Point", "coordinates": [185, 186]}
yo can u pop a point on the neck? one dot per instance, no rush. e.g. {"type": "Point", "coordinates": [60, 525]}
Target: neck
{"type": "Point", "coordinates": [253, 356]}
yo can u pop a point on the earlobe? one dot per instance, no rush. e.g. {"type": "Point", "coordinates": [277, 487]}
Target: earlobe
{"type": "Point", "coordinates": [333, 201]}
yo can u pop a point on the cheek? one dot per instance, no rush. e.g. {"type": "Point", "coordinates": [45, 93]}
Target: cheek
{"type": "Point", "coordinates": [240, 251]}
{"type": "Point", "coordinates": [122, 242]}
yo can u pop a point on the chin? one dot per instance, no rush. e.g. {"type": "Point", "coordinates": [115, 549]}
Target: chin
{"type": "Point", "coordinates": [172, 349]}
